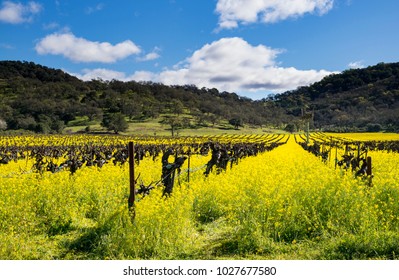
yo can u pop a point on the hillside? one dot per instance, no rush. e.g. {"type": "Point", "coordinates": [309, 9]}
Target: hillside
{"type": "Point", "coordinates": [45, 100]}
{"type": "Point", "coordinates": [354, 99]}
{"type": "Point", "coordinates": [41, 99]}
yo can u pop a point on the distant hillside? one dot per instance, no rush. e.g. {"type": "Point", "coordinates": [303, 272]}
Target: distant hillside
{"type": "Point", "coordinates": [45, 100]}
{"type": "Point", "coordinates": [354, 99]}
{"type": "Point", "coordinates": [41, 99]}
{"type": "Point", "coordinates": [28, 70]}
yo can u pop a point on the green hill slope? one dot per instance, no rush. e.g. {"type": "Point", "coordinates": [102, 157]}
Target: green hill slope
{"type": "Point", "coordinates": [41, 99]}
{"type": "Point", "coordinates": [357, 98]}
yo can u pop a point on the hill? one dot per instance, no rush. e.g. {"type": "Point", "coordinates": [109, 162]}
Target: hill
{"type": "Point", "coordinates": [355, 99]}
{"type": "Point", "coordinates": [41, 99]}
{"type": "Point", "coordinates": [45, 100]}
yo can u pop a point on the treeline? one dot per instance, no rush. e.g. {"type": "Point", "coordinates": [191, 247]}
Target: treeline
{"type": "Point", "coordinates": [45, 100]}
{"type": "Point", "coordinates": [357, 99]}
{"type": "Point", "coordinates": [41, 99]}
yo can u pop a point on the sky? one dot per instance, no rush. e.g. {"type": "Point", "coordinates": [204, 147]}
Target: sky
{"type": "Point", "coordinates": [251, 47]}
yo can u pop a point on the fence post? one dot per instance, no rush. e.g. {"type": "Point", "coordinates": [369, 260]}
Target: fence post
{"type": "Point", "coordinates": [131, 177]}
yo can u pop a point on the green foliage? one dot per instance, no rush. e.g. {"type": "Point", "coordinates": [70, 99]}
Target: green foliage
{"type": "Point", "coordinates": [374, 127]}
{"type": "Point", "coordinates": [236, 122]}
{"type": "Point", "coordinates": [352, 99]}
{"type": "Point", "coordinates": [115, 122]}
{"type": "Point", "coordinates": [378, 245]}
{"type": "Point", "coordinates": [28, 90]}
{"type": "Point", "coordinates": [175, 122]}
{"type": "Point", "coordinates": [291, 128]}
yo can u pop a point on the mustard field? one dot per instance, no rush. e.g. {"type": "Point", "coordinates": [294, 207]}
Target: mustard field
{"type": "Point", "coordinates": [233, 197]}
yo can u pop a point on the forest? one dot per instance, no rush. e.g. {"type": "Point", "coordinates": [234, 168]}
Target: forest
{"type": "Point", "coordinates": [44, 100]}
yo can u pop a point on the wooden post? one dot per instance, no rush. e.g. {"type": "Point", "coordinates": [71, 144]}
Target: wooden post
{"type": "Point", "coordinates": [174, 171]}
{"type": "Point", "coordinates": [131, 176]}
{"type": "Point", "coordinates": [336, 155]}
{"type": "Point", "coordinates": [369, 171]}
{"type": "Point", "coordinates": [188, 168]}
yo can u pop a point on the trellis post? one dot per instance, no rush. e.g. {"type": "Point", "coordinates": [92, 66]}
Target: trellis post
{"type": "Point", "coordinates": [336, 155]}
{"type": "Point", "coordinates": [369, 171]}
{"type": "Point", "coordinates": [188, 168]}
{"type": "Point", "coordinates": [131, 177]}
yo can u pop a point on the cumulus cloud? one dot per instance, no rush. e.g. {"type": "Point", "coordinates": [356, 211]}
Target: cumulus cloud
{"type": "Point", "coordinates": [100, 73]}
{"type": "Point", "coordinates": [82, 50]}
{"type": "Point", "coordinates": [233, 12]}
{"type": "Point", "coordinates": [143, 76]}
{"type": "Point", "coordinates": [109, 75]}
{"type": "Point", "coordinates": [15, 13]}
{"type": "Point", "coordinates": [230, 64]}
{"type": "Point", "coordinates": [150, 56]}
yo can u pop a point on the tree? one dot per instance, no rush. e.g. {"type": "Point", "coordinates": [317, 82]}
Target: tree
{"type": "Point", "coordinates": [177, 107]}
{"type": "Point", "coordinates": [212, 118]}
{"type": "Point", "coordinates": [236, 122]}
{"type": "Point", "coordinates": [174, 123]}
{"type": "Point", "coordinates": [131, 109]}
{"type": "Point", "coordinates": [115, 122]}
{"type": "Point", "coordinates": [291, 127]}
{"type": "Point", "coordinates": [374, 127]}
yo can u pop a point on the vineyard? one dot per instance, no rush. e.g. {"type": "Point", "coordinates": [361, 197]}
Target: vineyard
{"type": "Point", "coordinates": [270, 196]}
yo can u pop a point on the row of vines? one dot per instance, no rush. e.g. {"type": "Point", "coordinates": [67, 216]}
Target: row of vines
{"type": "Point", "coordinates": [229, 196]}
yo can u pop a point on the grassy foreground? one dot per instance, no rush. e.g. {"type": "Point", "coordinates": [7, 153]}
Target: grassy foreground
{"type": "Point", "coordinates": [283, 204]}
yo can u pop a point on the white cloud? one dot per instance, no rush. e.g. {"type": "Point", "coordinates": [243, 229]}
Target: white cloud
{"type": "Point", "coordinates": [51, 26]}
{"type": "Point", "coordinates": [233, 12]}
{"type": "Point", "coordinates": [229, 64]}
{"type": "Point", "coordinates": [16, 13]}
{"type": "Point", "coordinates": [82, 50]}
{"type": "Point", "coordinates": [109, 75]}
{"type": "Point", "coordinates": [143, 76]}
{"type": "Point", "coordinates": [356, 64]}
{"type": "Point", "coordinates": [100, 73]}
{"type": "Point", "coordinates": [150, 56]}
{"type": "Point", "coordinates": [232, 64]}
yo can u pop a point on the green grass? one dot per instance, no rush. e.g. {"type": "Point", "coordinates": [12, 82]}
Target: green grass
{"type": "Point", "coordinates": [152, 127]}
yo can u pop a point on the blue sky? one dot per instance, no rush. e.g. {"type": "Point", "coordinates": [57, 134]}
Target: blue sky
{"type": "Point", "coordinates": [251, 47]}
